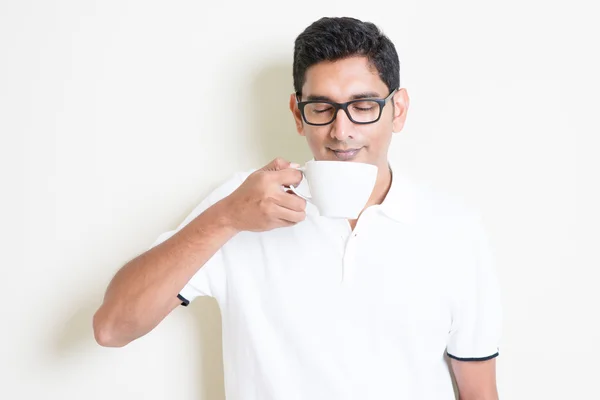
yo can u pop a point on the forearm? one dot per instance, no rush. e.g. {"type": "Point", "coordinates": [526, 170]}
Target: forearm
{"type": "Point", "coordinates": [476, 380]}
{"type": "Point", "coordinates": [144, 291]}
{"type": "Point", "coordinates": [488, 396]}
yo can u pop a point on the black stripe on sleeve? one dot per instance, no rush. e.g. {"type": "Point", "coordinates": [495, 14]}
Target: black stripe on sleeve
{"type": "Point", "coordinates": [474, 359]}
{"type": "Point", "coordinates": [184, 302]}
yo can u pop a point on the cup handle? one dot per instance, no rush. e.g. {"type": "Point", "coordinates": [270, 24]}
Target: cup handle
{"type": "Point", "coordinates": [293, 189]}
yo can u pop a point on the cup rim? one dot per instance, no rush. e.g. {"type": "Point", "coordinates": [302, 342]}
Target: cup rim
{"type": "Point", "coordinates": [340, 162]}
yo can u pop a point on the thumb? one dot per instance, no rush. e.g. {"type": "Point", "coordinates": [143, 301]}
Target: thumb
{"type": "Point", "coordinates": [278, 164]}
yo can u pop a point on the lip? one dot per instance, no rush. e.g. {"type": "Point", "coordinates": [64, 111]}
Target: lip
{"type": "Point", "coordinates": [346, 154]}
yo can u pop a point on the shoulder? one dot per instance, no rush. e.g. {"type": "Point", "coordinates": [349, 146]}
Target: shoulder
{"type": "Point", "coordinates": [448, 212]}
{"type": "Point", "coordinates": [455, 228]}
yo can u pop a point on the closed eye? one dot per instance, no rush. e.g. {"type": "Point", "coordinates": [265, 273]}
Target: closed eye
{"type": "Point", "coordinates": [322, 110]}
{"type": "Point", "coordinates": [363, 108]}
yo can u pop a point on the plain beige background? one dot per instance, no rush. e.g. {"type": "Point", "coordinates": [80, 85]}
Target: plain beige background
{"type": "Point", "coordinates": [117, 118]}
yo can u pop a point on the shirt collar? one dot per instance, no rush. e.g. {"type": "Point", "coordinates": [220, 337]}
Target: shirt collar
{"type": "Point", "coordinates": [401, 201]}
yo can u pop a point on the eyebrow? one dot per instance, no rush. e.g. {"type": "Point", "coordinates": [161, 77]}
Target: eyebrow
{"type": "Point", "coordinates": [358, 96]}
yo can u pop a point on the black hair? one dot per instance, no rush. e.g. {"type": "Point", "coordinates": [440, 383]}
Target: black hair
{"type": "Point", "coordinates": [332, 39]}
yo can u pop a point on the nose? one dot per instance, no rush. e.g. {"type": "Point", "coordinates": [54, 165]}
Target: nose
{"type": "Point", "coordinates": [341, 127]}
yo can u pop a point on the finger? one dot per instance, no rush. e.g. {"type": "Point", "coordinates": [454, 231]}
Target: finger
{"type": "Point", "coordinates": [285, 224]}
{"type": "Point", "coordinates": [288, 177]}
{"type": "Point", "coordinates": [276, 165]}
{"type": "Point", "coordinates": [285, 214]}
{"type": "Point", "coordinates": [291, 201]}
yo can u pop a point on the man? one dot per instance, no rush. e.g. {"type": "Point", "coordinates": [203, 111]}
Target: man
{"type": "Point", "coordinates": [319, 308]}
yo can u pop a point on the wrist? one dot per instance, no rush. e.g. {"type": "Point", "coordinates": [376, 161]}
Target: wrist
{"type": "Point", "coordinates": [223, 217]}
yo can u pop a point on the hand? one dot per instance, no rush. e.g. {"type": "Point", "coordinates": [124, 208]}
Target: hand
{"type": "Point", "coordinates": [261, 204]}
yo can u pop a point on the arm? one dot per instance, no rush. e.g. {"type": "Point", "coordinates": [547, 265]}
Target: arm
{"type": "Point", "coordinates": [145, 290]}
{"type": "Point", "coordinates": [473, 344]}
{"type": "Point", "coordinates": [476, 380]}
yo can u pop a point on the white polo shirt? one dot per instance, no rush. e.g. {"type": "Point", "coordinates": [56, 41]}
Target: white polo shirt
{"type": "Point", "coordinates": [319, 312]}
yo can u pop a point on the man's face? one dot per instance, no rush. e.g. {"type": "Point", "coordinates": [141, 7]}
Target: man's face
{"type": "Point", "coordinates": [342, 81]}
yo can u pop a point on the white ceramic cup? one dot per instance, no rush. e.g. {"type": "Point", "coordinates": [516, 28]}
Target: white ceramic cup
{"type": "Point", "coordinates": [339, 189]}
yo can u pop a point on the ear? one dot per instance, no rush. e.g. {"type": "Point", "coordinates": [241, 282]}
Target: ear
{"type": "Point", "coordinates": [401, 103]}
{"type": "Point", "coordinates": [297, 115]}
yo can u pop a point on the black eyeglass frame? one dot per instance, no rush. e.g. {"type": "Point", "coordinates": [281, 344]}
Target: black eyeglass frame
{"type": "Point", "coordinates": [343, 106]}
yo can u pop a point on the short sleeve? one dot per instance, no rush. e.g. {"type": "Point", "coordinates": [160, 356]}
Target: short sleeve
{"type": "Point", "coordinates": [212, 273]}
{"type": "Point", "coordinates": [477, 314]}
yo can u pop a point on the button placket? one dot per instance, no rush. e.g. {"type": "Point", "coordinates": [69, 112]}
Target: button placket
{"type": "Point", "coordinates": [349, 260]}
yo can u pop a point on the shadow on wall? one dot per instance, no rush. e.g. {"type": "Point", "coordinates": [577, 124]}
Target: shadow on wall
{"type": "Point", "coordinates": [273, 134]}
{"type": "Point", "coordinates": [272, 124]}
{"type": "Point", "coordinates": [76, 339]}
{"type": "Point", "coordinates": [208, 317]}
{"type": "Point", "coordinates": [77, 334]}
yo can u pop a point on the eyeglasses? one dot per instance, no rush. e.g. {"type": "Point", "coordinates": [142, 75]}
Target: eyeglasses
{"type": "Point", "coordinates": [362, 111]}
